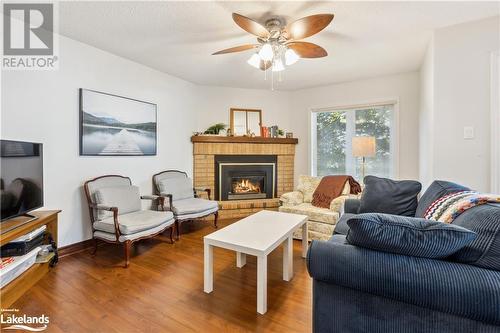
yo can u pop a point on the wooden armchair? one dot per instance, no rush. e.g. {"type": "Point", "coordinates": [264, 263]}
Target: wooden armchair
{"type": "Point", "coordinates": [116, 214]}
{"type": "Point", "coordinates": [183, 200]}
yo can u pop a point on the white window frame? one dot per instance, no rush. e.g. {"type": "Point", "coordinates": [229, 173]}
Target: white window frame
{"type": "Point", "coordinates": [394, 101]}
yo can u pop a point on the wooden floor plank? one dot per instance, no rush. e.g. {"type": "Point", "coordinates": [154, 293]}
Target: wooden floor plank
{"type": "Point", "coordinates": [162, 290]}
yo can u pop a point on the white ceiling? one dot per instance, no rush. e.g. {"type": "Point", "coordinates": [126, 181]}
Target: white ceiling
{"type": "Point", "coordinates": [365, 39]}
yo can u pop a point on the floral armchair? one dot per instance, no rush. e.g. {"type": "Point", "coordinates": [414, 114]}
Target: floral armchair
{"type": "Point", "coordinates": [322, 221]}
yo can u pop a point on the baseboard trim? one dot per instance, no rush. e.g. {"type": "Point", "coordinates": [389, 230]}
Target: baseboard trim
{"type": "Point", "coordinates": [75, 248]}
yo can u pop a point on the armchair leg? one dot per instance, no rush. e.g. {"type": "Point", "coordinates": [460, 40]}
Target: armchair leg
{"type": "Point", "coordinates": [177, 227]}
{"type": "Point", "coordinates": [215, 219]}
{"type": "Point", "coordinates": [126, 246]}
{"type": "Point", "coordinates": [94, 250]}
{"type": "Point", "coordinates": [171, 234]}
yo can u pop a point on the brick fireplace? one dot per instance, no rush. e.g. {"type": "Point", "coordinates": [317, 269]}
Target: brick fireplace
{"type": "Point", "coordinates": [244, 174]}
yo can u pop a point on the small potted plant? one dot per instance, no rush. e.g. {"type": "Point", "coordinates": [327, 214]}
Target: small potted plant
{"type": "Point", "coordinates": [215, 129]}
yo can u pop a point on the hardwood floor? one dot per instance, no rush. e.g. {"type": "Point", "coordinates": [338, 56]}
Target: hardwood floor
{"type": "Point", "coordinates": [162, 290]}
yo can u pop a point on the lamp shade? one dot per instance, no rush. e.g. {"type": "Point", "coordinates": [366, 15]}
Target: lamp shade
{"type": "Point", "coordinates": [363, 146]}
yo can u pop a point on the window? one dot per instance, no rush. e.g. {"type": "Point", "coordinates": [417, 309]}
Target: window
{"type": "Point", "coordinates": [332, 133]}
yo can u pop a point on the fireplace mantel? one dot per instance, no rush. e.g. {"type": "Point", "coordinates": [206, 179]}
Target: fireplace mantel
{"type": "Point", "coordinates": [207, 147]}
{"type": "Point", "coordinates": [242, 139]}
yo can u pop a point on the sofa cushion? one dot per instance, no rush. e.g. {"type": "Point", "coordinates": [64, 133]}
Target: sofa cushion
{"type": "Point", "coordinates": [318, 214]}
{"type": "Point", "coordinates": [126, 197]}
{"type": "Point", "coordinates": [382, 195]}
{"type": "Point", "coordinates": [407, 235]}
{"type": "Point", "coordinates": [134, 222]}
{"type": "Point", "coordinates": [193, 205]}
{"type": "Point", "coordinates": [484, 251]}
{"type": "Point", "coordinates": [179, 187]}
{"type": "Point", "coordinates": [436, 190]}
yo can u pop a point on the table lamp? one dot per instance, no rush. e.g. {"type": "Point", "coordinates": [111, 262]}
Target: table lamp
{"type": "Point", "coordinates": [363, 146]}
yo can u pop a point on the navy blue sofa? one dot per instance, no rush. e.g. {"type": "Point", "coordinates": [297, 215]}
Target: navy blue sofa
{"type": "Point", "coordinates": [356, 289]}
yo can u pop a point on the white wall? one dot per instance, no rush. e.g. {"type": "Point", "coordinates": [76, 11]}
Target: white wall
{"type": "Point", "coordinates": [461, 97]}
{"type": "Point", "coordinates": [426, 119]}
{"type": "Point", "coordinates": [213, 104]}
{"type": "Point", "coordinates": [42, 106]}
{"type": "Point", "coordinates": [404, 87]}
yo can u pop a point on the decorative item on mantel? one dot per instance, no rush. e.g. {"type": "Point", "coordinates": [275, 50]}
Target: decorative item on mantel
{"type": "Point", "coordinates": [272, 132]}
{"type": "Point", "coordinates": [215, 129]}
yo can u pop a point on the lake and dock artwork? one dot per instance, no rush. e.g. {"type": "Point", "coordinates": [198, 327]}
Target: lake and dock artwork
{"type": "Point", "coordinates": [114, 125]}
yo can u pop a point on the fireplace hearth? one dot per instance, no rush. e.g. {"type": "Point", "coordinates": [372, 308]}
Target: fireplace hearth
{"type": "Point", "coordinates": [243, 177]}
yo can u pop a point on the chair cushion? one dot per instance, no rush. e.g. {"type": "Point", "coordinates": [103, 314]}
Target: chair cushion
{"type": "Point", "coordinates": [144, 233]}
{"type": "Point", "coordinates": [180, 187]}
{"type": "Point", "coordinates": [407, 235]}
{"type": "Point", "coordinates": [134, 222]}
{"type": "Point", "coordinates": [126, 197]}
{"type": "Point", "coordinates": [436, 190]}
{"type": "Point", "coordinates": [193, 205]}
{"type": "Point", "coordinates": [484, 251]}
{"type": "Point", "coordinates": [382, 195]}
{"type": "Point", "coordinates": [318, 214]}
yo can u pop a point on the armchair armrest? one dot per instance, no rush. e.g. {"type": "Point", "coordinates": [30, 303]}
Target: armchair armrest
{"type": "Point", "coordinates": [160, 198]}
{"type": "Point", "coordinates": [292, 198]}
{"type": "Point", "coordinates": [203, 189]}
{"type": "Point", "coordinates": [337, 203]}
{"type": "Point", "coordinates": [351, 206]}
{"type": "Point", "coordinates": [170, 200]}
{"type": "Point", "coordinates": [115, 216]}
{"type": "Point", "coordinates": [449, 287]}
{"type": "Point", "coordinates": [103, 207]}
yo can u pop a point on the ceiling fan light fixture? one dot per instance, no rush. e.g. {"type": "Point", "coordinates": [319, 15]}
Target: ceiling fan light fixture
{"type": "Point", "coordinates": [291, 57]}
{"type": "Point", "coordinates": [278, 65]}
{"type": "Point", "coordinates": [266, 52]}
{"type": "Point", "coordinates": [254, 61]}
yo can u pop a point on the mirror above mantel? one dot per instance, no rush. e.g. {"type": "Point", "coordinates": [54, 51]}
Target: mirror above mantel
{"type": "Point", "coordinates": [245, 122]}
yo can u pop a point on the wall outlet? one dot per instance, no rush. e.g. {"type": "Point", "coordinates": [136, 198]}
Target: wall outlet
{"type": "Point", "coordinates": [468, 132]}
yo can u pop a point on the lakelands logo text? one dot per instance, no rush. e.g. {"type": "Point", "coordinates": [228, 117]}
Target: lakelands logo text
{"type": "Point", "coordinates": [28, 36]}
{"type": "Point", "coordinates": [23, 322]}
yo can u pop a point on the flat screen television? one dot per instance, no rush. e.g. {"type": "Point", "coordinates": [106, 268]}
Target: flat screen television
{"type": "Point", "coordinates": [21, 178]}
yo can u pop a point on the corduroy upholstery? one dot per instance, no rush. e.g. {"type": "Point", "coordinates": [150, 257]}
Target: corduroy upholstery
{"type": "Point", "coordinates": [407, 235]}
{"type": "Point", "coordinates": [362, 290]}
{"type": "Point", "coordinates": [339, 309]}
{"type": "Point", "coordinates": [446, 287]}
{"type": "Point", "coordinates": [484, 251]}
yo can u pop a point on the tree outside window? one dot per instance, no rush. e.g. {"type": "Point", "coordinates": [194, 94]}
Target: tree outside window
{"type": "Point", "coordinates": [332, 134]}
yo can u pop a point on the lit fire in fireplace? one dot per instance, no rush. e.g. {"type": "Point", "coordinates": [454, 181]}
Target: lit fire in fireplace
{"type": "Point", "coordinates": [246, 186]}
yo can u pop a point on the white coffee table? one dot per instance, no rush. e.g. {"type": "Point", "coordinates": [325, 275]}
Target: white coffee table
{"type": "Point", "coordinates": [257, 235]}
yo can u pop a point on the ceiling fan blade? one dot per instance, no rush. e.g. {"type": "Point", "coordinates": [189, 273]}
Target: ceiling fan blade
{"type": "Point", "coordinates": [308, 26]}
{"type": "Point", "coordinates": [264, 65]}
{"type": "Point", "coordinates": [307, 50]}
{"type": "Point", "coordinates": [251, 26]}
{"type": "Point", "coordinates": [237, 49]}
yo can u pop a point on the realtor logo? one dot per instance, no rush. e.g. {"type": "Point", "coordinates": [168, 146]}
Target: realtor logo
{"type": "Point", "coordinates": [28, 36]}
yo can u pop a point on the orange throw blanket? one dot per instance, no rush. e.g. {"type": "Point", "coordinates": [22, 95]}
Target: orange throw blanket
{"type": "Point", "coordinates": [331, 187]}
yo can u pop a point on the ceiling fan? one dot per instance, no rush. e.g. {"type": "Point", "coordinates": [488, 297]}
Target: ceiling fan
{"type": "Point", "coordinates": [279, 44]}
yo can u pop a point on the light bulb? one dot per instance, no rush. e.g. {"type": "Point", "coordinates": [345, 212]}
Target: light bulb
{"type": "Point", "coordinates": [291, 57]}
{"type": "Point", "coordinates": [266, 52]}
{"type": "Point", "coordinates": [278, 65]}
{"type": "Point", "coordinates": [254, 61]}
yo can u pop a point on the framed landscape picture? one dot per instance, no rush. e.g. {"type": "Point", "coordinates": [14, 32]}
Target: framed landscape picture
{"type": "Point", "coordinates": [112, 125]}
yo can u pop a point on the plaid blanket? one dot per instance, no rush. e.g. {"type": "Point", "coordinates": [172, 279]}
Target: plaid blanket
{"type": "Point", "coordinates": [449, 207]}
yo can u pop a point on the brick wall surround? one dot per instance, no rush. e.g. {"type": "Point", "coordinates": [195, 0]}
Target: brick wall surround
{"type": "Point", "coordinates": [205, 148]}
